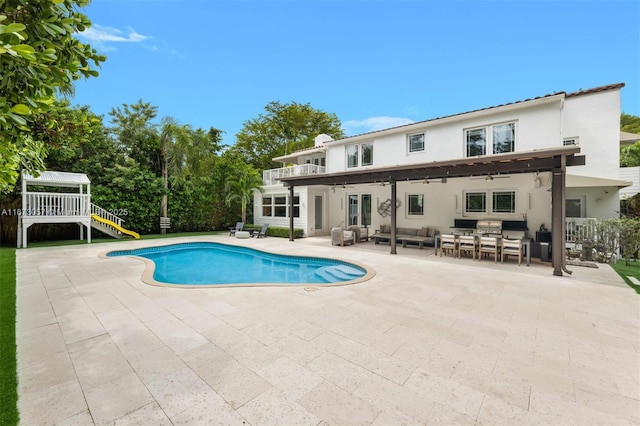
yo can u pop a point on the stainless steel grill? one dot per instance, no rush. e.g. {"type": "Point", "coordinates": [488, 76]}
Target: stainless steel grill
{"type": "Point", "coordinates": [489, 227]}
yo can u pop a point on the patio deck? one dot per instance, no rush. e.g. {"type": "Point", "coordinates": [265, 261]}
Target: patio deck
{"type": "Point", "coordinates": [427, 340]}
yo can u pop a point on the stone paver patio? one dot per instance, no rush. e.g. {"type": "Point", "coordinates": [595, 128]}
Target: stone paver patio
{"type": "Point", "coordinates": [427, 340]}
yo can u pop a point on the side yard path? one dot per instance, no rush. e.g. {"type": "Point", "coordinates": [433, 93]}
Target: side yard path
{"type": "Point", "coordinates": [428, 339]}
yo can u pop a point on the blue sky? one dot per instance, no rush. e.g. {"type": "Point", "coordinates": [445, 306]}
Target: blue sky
{"type": "Point", "coordinates": [375, 64]}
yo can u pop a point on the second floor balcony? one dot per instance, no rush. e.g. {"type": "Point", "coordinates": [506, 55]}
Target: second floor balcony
{"type": "Point", "coordinates": [270, 177]}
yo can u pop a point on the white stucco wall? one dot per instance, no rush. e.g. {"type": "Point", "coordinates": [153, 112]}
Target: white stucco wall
{"type": "Point", "coordinates": [538, 125]}
{"type": "Point", "coordinates": [595, 119]}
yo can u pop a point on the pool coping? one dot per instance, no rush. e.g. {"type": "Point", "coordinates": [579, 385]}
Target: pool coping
{"type": "Point", "coordinates": [147, 274]}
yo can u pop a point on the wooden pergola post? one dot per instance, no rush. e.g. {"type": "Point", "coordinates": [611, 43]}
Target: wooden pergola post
{"type": "Point", "coordinates": [394, 191]}
{"type": "Point", "coordinates": [557, 216]}
{"type": "Point", "coordinates": [291, 233]}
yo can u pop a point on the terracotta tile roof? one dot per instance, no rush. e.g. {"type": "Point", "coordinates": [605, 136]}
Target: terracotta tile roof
{"type": "Point", "coordinates": [579, 93]}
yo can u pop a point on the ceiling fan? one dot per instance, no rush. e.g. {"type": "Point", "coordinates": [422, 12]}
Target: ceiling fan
{"type": "Point", "coordinates": [428, 180]}
{"type": "Point", "coordinates": [491, 177]}
{"type": "Point", "coordinates": [343, 186]}
{"type": "Point", "coordinates": [383, 184]}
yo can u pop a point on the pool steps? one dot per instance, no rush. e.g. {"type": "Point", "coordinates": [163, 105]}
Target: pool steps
{"type": "Point", "coordinates": [333, 273]}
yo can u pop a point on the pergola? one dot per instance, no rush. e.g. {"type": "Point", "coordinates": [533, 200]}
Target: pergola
{"type": "Point", "coordinates": [554, 160]}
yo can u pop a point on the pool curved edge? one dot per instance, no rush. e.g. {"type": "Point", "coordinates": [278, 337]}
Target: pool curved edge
{"type": "Point", "coordinates": [150, 266]}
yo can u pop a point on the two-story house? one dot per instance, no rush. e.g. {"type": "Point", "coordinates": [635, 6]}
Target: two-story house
{"type": "Point", "coordinates": [493, 163]}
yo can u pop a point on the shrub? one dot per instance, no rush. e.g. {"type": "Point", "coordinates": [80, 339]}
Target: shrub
{"type": "Point", "coordinates": [275, 231]}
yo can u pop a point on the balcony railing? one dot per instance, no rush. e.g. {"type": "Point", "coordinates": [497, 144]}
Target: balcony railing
{"type": "Point", "coordinates": [55, 204]}
{"type": "Point", "coordinates": [270, 177]}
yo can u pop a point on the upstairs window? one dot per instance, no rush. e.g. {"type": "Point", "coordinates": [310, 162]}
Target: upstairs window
{"type": "Point", "coordinates": [495, 139]}
{"type": "Point", "coordinates": [476, 142]}
{"type": "Point", "coordinates": [504, 136]}
{"type": "Point", "coordinates": [352, 156]}
{"type": "Point", "coordinates": [360, 155]}
{"type": "Point", "coordinates": [416, 142]}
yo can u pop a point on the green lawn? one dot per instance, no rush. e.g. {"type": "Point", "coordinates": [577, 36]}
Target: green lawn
{"type": "Point", "coordinates": [630, 270]}
{"type": "Point", "coordinates": [8, 372]}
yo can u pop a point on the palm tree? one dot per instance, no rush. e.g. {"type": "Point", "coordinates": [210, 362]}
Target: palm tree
{"type": "Point", "coordinates": [241, 186]}
{"type": "Point", "coordinates": [174, 141]}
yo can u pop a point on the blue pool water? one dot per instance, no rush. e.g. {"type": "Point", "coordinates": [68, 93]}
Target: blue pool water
{"type": "Point", "coordinates": [214, 263]}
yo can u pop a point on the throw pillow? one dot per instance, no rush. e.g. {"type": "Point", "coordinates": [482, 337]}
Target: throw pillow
{"type": "Point", "coordinates": [423, 232]}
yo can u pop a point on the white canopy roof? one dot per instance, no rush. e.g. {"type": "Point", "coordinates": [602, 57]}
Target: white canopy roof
{"type": "Point", "coordinates": [51, 178]}
{"type": "Point", "coordinates": [627, 138]}
{"type": "Point", "coordinates": [576, 181]}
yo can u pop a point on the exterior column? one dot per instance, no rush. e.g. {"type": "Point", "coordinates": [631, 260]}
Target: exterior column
{"type": "Point", "coordinates": [392, 243]}
{"type": "Point", "coordinates": [291, 213]}
{"type": "Point", "coordinates": [558, 217]}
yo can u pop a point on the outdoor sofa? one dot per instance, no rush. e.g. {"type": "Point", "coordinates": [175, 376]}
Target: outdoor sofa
{"type": "Point", "coordinates": [421, 236]}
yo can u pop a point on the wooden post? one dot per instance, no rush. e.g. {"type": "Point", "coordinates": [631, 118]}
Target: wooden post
{"type": "Point", "coordinates": [291, 213]}
{"type": "Point", "coordinates": [558, 216]}
{"type": "Point", "coordinates": [392, 243]}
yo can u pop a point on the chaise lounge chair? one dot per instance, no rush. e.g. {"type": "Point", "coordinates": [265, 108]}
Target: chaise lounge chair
{"type": "Point", "coordinates": [262, 232]}
{"type": "Point", "coordinates": [238, 227]}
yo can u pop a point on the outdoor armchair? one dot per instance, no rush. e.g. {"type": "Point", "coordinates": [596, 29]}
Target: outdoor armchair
{"type": "Point", "coordinates": [341, 237]}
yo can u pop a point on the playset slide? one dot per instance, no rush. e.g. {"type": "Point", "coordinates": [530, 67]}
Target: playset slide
{"type": "Point", "coordinates": [116, 226]}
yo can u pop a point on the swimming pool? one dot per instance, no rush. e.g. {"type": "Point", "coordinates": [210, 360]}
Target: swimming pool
{"type": "Point", "coordinates": [203, 263]}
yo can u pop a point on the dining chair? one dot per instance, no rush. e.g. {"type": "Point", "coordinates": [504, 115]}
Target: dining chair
{"type": "Point", "coordinates": [489, 245]}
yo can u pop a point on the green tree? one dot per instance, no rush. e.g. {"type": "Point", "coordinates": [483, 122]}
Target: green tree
{"type": "Point", "coordinates": [630, 123]}
{"type": "Point", "coordinates": [39, 58]}
{"type": "Point", "coordinates": [137, 135]}
{"type": "Point", "coordinates": [284, 128]}
{"type": "Point", "coordinates": [240, 186]}
{"type": "Point", "coordinates": [630, 155]}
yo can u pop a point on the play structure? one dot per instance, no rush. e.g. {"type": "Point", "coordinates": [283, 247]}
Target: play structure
{"type": "Point", "coordinates": [71, 206]}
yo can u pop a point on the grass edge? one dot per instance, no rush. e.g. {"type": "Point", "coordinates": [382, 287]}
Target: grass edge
{"type": "Point", "coordinates": [9, 414]}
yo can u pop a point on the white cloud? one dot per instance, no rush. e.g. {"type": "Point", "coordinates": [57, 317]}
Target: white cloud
{"type": "Point", "coordinates": [101, 36]}
{"type": "Point", "coordinates": [371, 124]}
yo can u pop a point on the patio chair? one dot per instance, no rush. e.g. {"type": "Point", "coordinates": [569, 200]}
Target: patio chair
{"type": "Point", "coordinates": [448, 242]}
{"type": "Point", "coordinates": [341, 237]}
{"type": "Point", "coordinates": [467, 243]}
{"type": "Point", "coordinates": [512, 247]}
{"type": "Point", "coordinates": [262, 232]}
{"type": "Point", "coordinates": [361, 234]}
{"type": "Point", "coordinates": [238, 227]}
{"type": "Point", "coordinates": [489, 245]}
